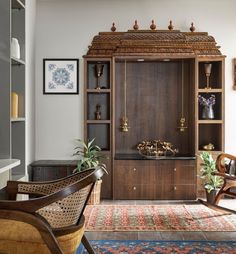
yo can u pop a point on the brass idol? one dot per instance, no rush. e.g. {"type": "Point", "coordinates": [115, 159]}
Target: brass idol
{"type": "Point", "coordinates": [98, 72]}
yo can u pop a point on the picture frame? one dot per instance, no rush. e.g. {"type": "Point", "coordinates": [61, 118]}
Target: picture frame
{"type": "Point", "coordinates": [60, 76]}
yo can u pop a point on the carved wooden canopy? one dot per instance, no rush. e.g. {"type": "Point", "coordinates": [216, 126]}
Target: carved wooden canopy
{"type": "Point", "coordinates": [153, 42]}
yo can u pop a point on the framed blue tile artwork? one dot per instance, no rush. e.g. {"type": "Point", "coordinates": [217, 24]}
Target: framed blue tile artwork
{"type": "Point", "coordinates": [60, 76]}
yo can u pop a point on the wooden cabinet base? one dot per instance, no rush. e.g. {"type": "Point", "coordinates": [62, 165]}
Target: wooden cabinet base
{"type": "Point", "coordinates": [162, 180]}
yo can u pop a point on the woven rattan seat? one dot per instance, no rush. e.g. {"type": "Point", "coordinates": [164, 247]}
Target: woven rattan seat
{"type": "Point", "coordinates": [56, 212]}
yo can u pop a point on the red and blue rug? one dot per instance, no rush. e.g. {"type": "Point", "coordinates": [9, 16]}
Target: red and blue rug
{"type": "Point", "coordinates": [160, 247]}
{"type": "Point", "coordinates": [192, 217]}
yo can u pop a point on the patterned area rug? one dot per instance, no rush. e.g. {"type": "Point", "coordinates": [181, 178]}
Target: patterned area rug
{"type": "Point", "coordinates": [194, 217]}
{"type": "Point", "coordinates": [168, 247]}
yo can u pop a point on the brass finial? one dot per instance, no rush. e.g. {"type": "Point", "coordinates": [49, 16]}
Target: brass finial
{"type": "Point", "coordinates": [192, 28]}
{"type": "Point", "coordinates": [153, 26]}
{"type": "Point", "coordinates": [170, 27]}
{"type": "Point", "coordinates": [135, 27]}
{"type": "Point", "coordinates": [113, 28]}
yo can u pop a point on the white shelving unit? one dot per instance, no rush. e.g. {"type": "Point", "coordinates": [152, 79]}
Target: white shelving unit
{"type": "Point", "coordinates": [12, 130]}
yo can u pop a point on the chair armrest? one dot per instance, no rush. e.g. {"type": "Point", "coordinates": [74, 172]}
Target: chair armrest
{"type": "Point", "coordinates": [220, 161]}
{"type": "Point", "coordinates": [225, 175]}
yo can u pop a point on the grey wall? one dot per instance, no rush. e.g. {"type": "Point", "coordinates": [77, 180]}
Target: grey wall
{"type": "Point", "coordinates": [65, 28]}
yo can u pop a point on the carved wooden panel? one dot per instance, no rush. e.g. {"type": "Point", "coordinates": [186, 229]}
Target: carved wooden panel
{"type": "Point", "coordinates": [153, 42]}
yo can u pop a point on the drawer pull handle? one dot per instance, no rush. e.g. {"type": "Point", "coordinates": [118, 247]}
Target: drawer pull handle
{"type": "Point", "coordinates": [175, 188]}
{"type": "Point", "coordinates": [134, 188]}
{"type": "Point", "coordinates": [175, 169]}
{"type": "Point", "coordinates": [135, 169]}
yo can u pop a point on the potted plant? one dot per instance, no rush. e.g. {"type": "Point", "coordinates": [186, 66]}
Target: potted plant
{"type": "Point", "coordinates": [89, 156]}
{"type": "Point", "coordinates": [212, 183]}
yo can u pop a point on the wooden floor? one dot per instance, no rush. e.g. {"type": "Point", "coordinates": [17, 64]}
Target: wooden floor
{"type": "Point", "coordinates": [168, 235]}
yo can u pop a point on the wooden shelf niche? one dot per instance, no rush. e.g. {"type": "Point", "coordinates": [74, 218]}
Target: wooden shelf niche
{"type": "Point", "coordinates": [215, 79]}
{"type": "Point", "coordinates": [154, 94]}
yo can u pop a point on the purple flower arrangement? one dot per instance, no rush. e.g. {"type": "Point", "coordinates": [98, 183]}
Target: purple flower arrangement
{"type": "Point", "coordinates": [207, 101]}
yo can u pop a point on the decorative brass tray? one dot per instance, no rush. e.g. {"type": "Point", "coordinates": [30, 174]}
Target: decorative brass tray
{"type": "Point", "coordinates": [154, 149]}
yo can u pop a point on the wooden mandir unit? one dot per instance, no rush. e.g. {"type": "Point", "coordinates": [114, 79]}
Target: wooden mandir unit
{"type": "Point", "coordinates": [153, 78]}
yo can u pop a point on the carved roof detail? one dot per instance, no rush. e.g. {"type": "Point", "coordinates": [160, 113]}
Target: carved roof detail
{"type": "Point", "coordinates": [153, 42]}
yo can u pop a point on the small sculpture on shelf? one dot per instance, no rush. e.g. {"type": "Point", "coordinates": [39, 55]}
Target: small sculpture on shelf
{"type": "Point", "coordinates": [207, 67]}
{"type": "Point", "coordinates": [98, 112]}
{"type": "Point", "coordinates": [154, 148]}
{"type": "Point", "coordinates": [207, 103]}
{"type": "Point", "coordinates": [98, 72]}
{"type": "Point", "coordinates": [209, 147]}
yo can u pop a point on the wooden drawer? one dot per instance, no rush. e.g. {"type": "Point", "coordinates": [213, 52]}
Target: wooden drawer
{"type": "Point", "coordinates": [134, 191]}
{"type": "Point", "coordinates": [184, 172]}
{"type": "Point", "coordinates": [177, 192]}
{"type": "Point", "coordinates": [135, 172]}
{"type": "Point", "coordinates": [164, 171]}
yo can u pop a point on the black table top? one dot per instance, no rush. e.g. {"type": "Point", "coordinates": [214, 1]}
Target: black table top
{"type": "Point", "coordinates": [140, 157]}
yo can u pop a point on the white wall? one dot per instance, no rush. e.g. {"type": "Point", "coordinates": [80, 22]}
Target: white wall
{"type": "Point", "coordinates": [30, 80]}
{"type": "Point", "coordinates": [65, 28]}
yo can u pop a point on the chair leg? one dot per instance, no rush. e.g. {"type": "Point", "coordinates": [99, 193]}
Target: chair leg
{"type": "Point", "coordinates": [87, 245]}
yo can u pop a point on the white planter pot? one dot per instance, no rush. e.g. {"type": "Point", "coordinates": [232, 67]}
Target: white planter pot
{"type": "Point", "coordinates": [15, 48]}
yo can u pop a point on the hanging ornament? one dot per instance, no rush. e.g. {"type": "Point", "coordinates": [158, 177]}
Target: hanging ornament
{"type": "Point", "coordinates": [124, 120]}
{"type": "Point", "coordinates": [182, 127]}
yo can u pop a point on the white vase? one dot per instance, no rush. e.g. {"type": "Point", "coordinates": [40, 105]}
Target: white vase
{"type": "Point", "coordinates": [15, 48]}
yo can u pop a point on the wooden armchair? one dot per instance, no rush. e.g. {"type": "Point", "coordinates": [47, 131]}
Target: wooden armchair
{"type": "Point", "coordinates": [53, 222]}
{"type": "Point", "coordinates": [227, 171]}
{"type": "Point", "coordinates": [226, 167]}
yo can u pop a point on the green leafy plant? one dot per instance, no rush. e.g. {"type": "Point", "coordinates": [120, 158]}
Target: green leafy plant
{"type": "Point", "coordinates": [211, 181]}
{"type": "Point", "coordinates": [88, 153]}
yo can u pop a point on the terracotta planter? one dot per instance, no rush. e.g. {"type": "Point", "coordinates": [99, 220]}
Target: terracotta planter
{"type": "Point", "coordinates": [210, 197]}
{"type": "Point", "coordinates": [96, 194]}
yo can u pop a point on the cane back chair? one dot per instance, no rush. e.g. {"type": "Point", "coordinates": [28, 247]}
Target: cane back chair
{"type": "Point", "coordinates": [51, 222]}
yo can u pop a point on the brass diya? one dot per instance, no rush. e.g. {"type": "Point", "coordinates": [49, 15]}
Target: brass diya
{"type": "Point", "coordinates": [209, 147]}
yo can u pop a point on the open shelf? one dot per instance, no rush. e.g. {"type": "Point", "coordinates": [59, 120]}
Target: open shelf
{"type": "Point", "coordinates": [101, 100]}
{"type": "Point", "coordinates": [18, 119]}
{"type": "Point", "coordinates": [6, 164]}
{"type": "Point", "coordinates": [215, 79]}
{"type": "Point", "coordinates": [210, 121]}
{"type": "Point", "coordinates": [101, 133]}
{"type": "Point", "coordinates": [18, 146]}
{"type": "Point", "coordinates": [16, 61]}
{"type": "Point", "coordinates": [210, 133]}
{"type": "Point", "coordinates": [104, 80]}
{"type": "Point", "coordinates": [98, 91]}
{"type": "Point", "coordinates": [217, 108]}
{"type": "Point", "coordinates": [18, 4]}
{"type": "Point", "coordinates": [213, 90]}
{"type": "Point", "coordinates": [98, 121]}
